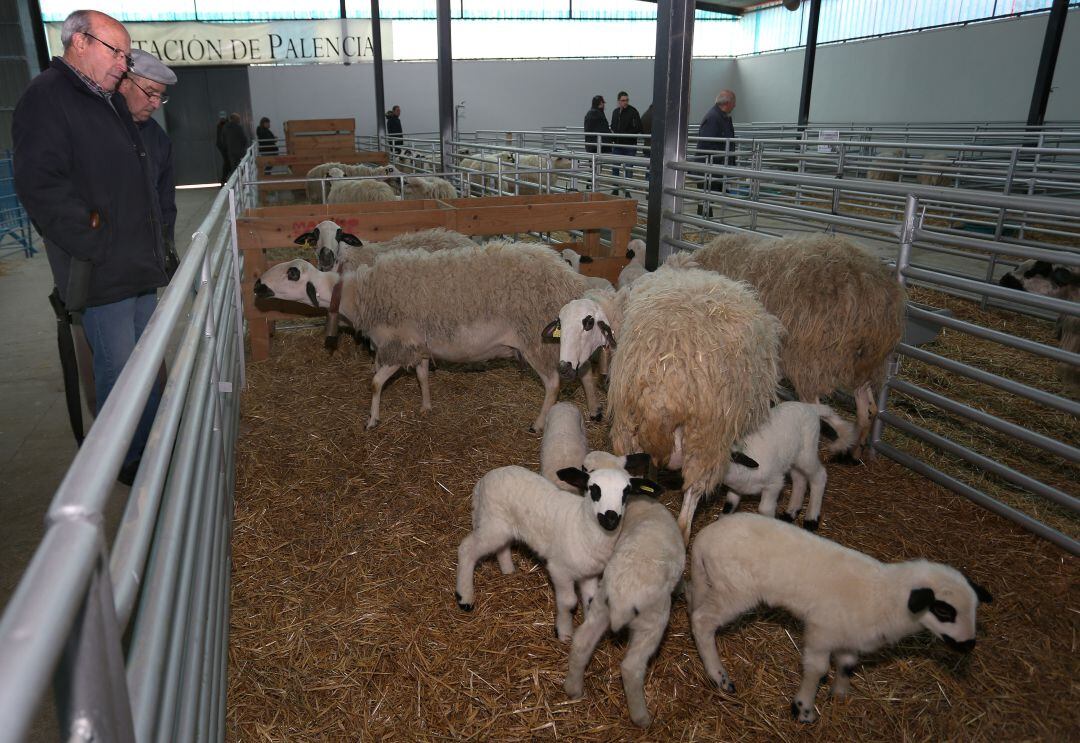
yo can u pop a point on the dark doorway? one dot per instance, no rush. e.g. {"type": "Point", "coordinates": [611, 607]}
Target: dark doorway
{"type": "Point", "coordinates": [192, 113]}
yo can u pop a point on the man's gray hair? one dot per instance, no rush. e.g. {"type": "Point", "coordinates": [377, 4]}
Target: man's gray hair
{"type": "Point", "coordinates": [78, 22]}
{"type": "Point", "coordinates": [724, 96]}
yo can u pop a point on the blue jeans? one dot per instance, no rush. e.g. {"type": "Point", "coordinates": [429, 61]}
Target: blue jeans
{"type": "Point", "coordinates": [112, 331]}
{"type": "Point", "coordinates": [627, 151]}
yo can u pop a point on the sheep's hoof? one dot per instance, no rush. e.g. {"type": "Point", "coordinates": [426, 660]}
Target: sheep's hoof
{"type": "Point", "coordinates": [642, 721]}
{"type": "Point", "coordinates": [532, 429]}
{"type": "Point", "coordinates": [811, 524]}
{"type": "Point", "coordinates": [372, 423]}
{"type": "Point", "coordinates": [846, 457]}
{"type": "Point", "coordinates": [597, 416]}
{"type": "Point", "coordinates": [573, 689]}
{"type": "Point", "coordinates": [728, 507]}
{"type": "Point", "coordinates": [784, 516]}
{"type": "Point", "coordinates": [462, 605]}
{"type": "Point", "coordinates": [725, 685]}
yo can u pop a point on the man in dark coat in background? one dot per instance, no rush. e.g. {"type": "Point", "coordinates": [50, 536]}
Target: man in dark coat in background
{"type": "Point", "coordinates": [144, 89]}
{"type": "Point", "coordinates": [596, 123]}
{"type": "Point", "coordinates": [236, 140]}
{"type": "Point", "coordinates": [717, 123]}
{"type": "Point", "coordinates": [267, 141]}
{"type": "Point", "coordinates": [219, 142]}
{"type": "Point", "coordinates": [625, 120]}
{"type": "Point", "coordinates": [84, 176]}
{"type": "Point", "coordinates": [393, 127]}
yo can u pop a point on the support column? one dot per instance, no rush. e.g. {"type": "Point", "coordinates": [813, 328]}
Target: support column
{"type": "Point", "coordinates": [671, 96]}
{"type": "Point", "coordinates": [1055, 26]}
{"type": "Point", "coordinates": [376, 51]}
{"type": "Point", "coordinates": [808, 63]}
{"type": "Point", "coordinates": [446, 86]}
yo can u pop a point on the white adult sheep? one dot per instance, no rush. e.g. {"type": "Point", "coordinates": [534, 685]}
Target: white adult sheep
{"type": "Point", "coordinates": [348, 192]}
{"type": "Point", "coordinates": [575, 535]}
{"type": "Point", "coordinates": [850, 603]}
{"type": "Point", "coordinates": [315, 188]}
{"type": "Point", "coordinates": [416, 306]}
{"type": "Point", "coordinates": [430, 187]}
{"type": "Point", "coordinates": [564, 443]}
{"type": "Point", "coordinates": [635, 592]}
{"type": "Point", "coordinates": [842, 308]}
{"type": "Point", "coordinates": [1060, 282]}
{"type": "Point", "coordinates": [534, 172]}
{"type": "Point", "coordinates": [787, 443]}
{"type": "Point", "coordinates": [886, 165]}
{"type": "Point", "coordinates": [575, 259]}
{"type": "Point", "coordinates": [333, 249]}
{"type": "Point", "coordinates": [479, 166]}
{"type": "Point", "coordinates": [635, 269]}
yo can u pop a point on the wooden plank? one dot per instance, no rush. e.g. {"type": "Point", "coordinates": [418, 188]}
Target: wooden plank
{"type": "Point", "coordinates": [607, 268]}
{"type": "Point", "coordinates": [294, 126]}
{"type": "Point", "coordinates": [319, 142]}
{"type": "Point", "coordinates": [348, 156]}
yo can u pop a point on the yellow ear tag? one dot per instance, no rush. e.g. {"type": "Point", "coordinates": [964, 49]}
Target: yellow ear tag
{"type": "Point", "coordinates": [646, 489]}
{"type": "Point", "coordinates": [556, 333]}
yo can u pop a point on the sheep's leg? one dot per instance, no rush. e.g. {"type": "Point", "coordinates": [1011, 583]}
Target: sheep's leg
{"type": "Point", "coordinates": [818, 479]}
{"type": "Point", "coordinates": [815, 663]}
{"type": "Point", "coordinates": [769, 495]}
{"type": "Point", "coordinates": [644, 640]}
{"type": "Point", "coordinates": [798, 495]}
{"type": "Point", "coordinates": [691, 496]}
{"type": "Point", "coordinates": [581, 651]}
{"type": "Point", "coordinates": [865, 410]}
{"type": "Point", "coordinates": [705, 619]}
{"type": "Point", "coordinates": [506, 560]}
{"type": "Point", "coordinates": [425, 389]}
{"type": "Point", "coordinates": [588, 588]}
{"type": "Point", "coordinates": [476, 545]}
{"type": "Point", "coordinates": [382, 374]}
{"type": "Point", "coordinates": [565, 603]}
{"type": "Point", "coordinates": [731, 501]}
{"type": "Point", "coordinates": [550, 378]}
{"type": "Point", "coordinates": [592, 402]}
{"type": "Point", "coordinates": [846, 662]}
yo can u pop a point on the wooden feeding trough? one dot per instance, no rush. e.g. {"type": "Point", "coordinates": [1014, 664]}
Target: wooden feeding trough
{"type": "Point", "coordinates": [311, 142]}
{"type": "Point", "coordinates": [263, 228]}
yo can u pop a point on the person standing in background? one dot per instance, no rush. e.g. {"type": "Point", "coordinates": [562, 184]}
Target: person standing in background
{"type": "Point", "coordinates": [625, 120]}
{"type": "Point", "coordinates": [236, 140]}
{"type": "Point", "coordinates": [267, 141]}
{"type": "Point", "coordinates": [596, 123]}
{"type": "Point", "coordinates": [393, 128]}
{"type": "Point", "coordinates": [717, 124]}
{"type": "Point", "coordinates": [219, 142]}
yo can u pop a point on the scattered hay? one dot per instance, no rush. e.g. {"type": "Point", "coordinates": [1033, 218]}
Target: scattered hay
{"type": "Point", "coordinates": [344, 625]}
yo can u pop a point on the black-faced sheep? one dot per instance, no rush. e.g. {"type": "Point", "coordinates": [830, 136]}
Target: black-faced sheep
{"type": "Point", "coordinates": [842, 308]}
{"type": "Point", "coordinates": [634, 592]}
{"type": "Point", "coordinates": [850, 603]}
{"type": "Point", "coordinates": [787, 443]}
{"type": "Point", "coordinates": [459, 305]}
{"type": "Point", "coordinates": [575, 535]}
{"type": "Point", "coordinates": [1060, 282]}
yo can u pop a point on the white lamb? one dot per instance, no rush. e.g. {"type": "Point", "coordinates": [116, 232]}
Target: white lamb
{"type": "Point", "coordinates": [575, 535]}
{"type": "Point", "coordinates": [346, 192]}
{"type": "Point", "coordinates": [786, 443]}
{"type": "Point", "coordinates": [564, 443]}
{"type": "Point", "coordinates": [634, 270]}
{"type": "Point", "coordinates": [849, 602]}
{"type": "Point", "coordinates": [635, 592]}
{"type": "Point", "coordinates": [429, 188]}
{"type": "Point", "coordinates": [575, 259]}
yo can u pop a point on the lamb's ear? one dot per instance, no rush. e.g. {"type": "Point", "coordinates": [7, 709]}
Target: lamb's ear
{"type": "Point", "coordinates": [609, 337]}
{"type": "Point", "coordinates": [553, 332]}
{"type": "Point", "coordinates": [1060, 276]}
{"type": "Point", "coordinates": [308, 238]}
{"type": "Point", "coordinates": [313, 296]}
{"type": "Point", "coordinates": [644, 486]}
{"type": "Point", "coordinates": [348, 239]}
{"type": "Point", "coordinates": [585, 259]}
{"type": "Point", "coordinates": [630, 254]}
{"type": "Point", "coordinates": [920, 599]}
{"type": "Point", "coordinates": [981, 593]}
{"type": "Point", "coordinates": [575, 476]}
{"type": "Point", "coordinates": [637, 464]}
{"type": "Point", "coordinates": [828, 431]}
{"type": "Point", "coordinates": [739, 458]}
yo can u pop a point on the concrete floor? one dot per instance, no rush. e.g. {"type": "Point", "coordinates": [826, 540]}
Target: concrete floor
{"type": "Point", "coordinates": [36, 443]}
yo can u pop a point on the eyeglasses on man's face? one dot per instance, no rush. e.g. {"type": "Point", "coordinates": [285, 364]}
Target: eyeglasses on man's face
{"type": "Point", "coordinates": [151, 96]}
{"type": "Point", "coordinates": [117, 53]}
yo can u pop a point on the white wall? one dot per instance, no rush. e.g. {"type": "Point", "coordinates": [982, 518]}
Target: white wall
{"type": "Point", "coordinates": [498, 94]}
{"type": "Point", "coordinates": [981, 72]}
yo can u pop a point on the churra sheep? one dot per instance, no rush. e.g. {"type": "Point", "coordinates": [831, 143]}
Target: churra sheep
{"type": "Point", "coordinates": [564, 443]}
{"type": "Point", "coordinates": [842, 308]}
{"type": "Point", "coordinates": [635, 269]}
{"type": "Point", "coordinates": [348, 192]}
{"type": "Point", "coordinates": [787, 444]}
{"type": "Point", "coordinates": [574, 534]}
{"type": "Point", "coordinates": [349, 253]}
{"type": "Point", "coordinates": [429, 187]}
{"type": "Point", "coordinates": [634, 592]}
{"type": "Point", "coordinates": [697, 366]}
{"type": "Point", "coordinates": [849, 603]}
{"type": "Point", "coordinates": [460, 305]}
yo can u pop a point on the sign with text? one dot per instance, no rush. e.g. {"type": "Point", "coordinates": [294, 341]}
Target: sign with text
{"type": "Point", "coordinates": [181, 43]}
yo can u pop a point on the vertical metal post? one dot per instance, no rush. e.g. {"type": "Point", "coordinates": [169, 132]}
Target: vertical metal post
{"type": "Point", "coordinates": [380, 95]}
{"type": "Point", "coordinates": [446, 87]}
{"type": "Point", "coordinates": [999, 228]}
{"type": "Point", "coordinates": [1055, 26]}
{"type": "Point", "coordinates": [91, 688]}
{"type": "Point", "coordinates": [755, 184]}
{"type": "Point", "coordinates": [671, 96]}
{"type": "Point", "coordinates": [238, 299]}
{"type": "Point", "coordinates": [808, 62]}
{"type": "Point", "coordinates": [903, 260]}
{"type": "Point", "coordinates": [839, 176]}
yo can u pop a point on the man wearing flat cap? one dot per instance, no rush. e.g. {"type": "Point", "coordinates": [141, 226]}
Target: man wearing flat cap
{"type": "Point", "coordinates": [143, 87]}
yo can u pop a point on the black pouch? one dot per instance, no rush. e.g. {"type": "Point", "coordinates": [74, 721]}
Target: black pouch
{"type": "Point", "coordinates": [172, 260]}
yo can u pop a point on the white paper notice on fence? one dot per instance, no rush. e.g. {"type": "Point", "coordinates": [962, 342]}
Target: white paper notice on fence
{"type": "Point", "coordinates": [193, 43]}
{"type": "Point", "coordinates": [828, 135]}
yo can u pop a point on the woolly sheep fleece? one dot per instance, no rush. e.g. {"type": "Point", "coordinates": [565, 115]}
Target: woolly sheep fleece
{"type": "Point", "coordinates": [435, 294]}
{"type": "Point", "coordinates": [346, 192]}
{"type": "Point", "coordinates": [431, 240]}
{"type": "Point", "coordinates": [314, 187]}
{"type": "Point", "coordinates": [697, 350]}
{"type": "Point", "coordinates": [843, 309]}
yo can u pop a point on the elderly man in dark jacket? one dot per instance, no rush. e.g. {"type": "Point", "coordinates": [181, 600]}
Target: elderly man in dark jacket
{"type": "Point", "coordinates": [393, 127]}
{"type": "Point", "coordinates": [717, 123]}
{"type": "Point", "coordinates": [236, 140]}
{"type": "Point", "coordinates": [84, 176]}
{"type": "Point", "coordinates": [144, 89]}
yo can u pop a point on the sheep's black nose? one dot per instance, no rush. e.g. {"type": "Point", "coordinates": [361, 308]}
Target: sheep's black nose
{"type": "Point", "coordinates": [961, 647]}
{"type": "Point", "coordinates": [326, 259]}
{"type": "Point", "coordinates": [262, 290]}
{"type": "Point", "coordinates": [567, 372]}
{"type": "Point", "coordinates": [609, 520]}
